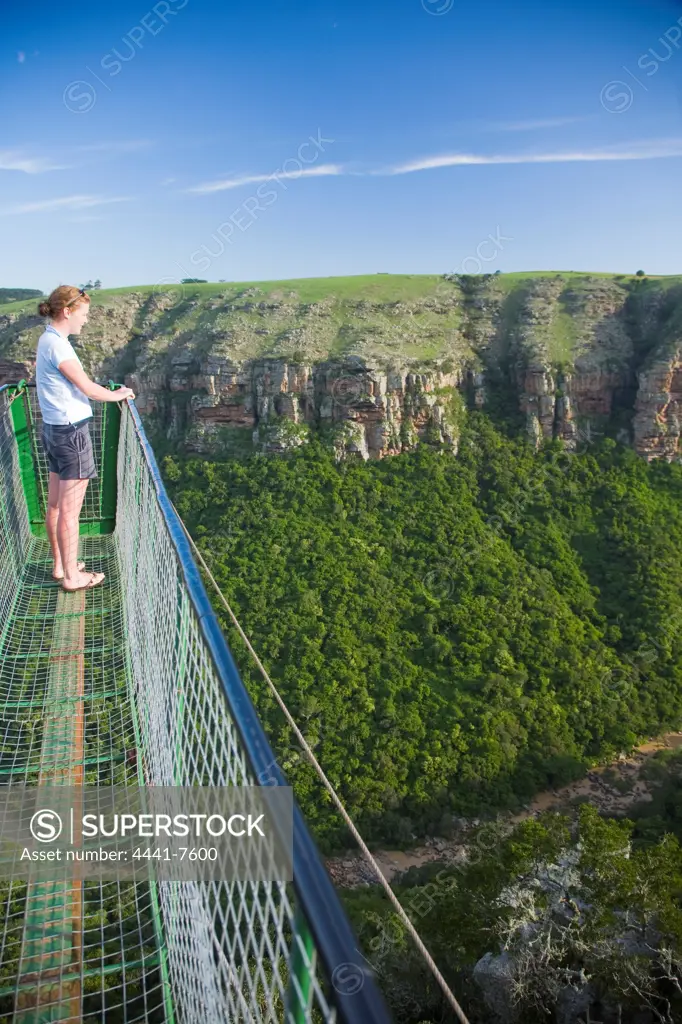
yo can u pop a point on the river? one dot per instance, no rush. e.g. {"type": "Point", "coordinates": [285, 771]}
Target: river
{"type": "Point", "coordinates": [613, 788]}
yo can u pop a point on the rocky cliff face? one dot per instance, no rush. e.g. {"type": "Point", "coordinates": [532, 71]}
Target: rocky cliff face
{"type": "Point", "coordinates": [372, 412]}
{"type": "Point", "coordinates": [658, 410]}
{"type": "Point", "coordinates": [586, 356]}
{"type": "Point", "coordinates": [383, 371]}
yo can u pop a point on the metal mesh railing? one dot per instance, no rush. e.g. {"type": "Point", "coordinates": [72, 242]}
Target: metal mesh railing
{"type": "Point", "coordinates": [187, 738]}
{"type": "Point", "coordinates": [105, 418]}
{"type": "Point", "coordinates": [94, 951]}
{"type": "Point", "coordinates": [14, 524]}
{"type": "Point", "coordinates": [147, 696]}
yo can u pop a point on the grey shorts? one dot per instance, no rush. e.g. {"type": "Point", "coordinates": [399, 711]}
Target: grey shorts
{"type": "Point", "coordinates": [69, 450]}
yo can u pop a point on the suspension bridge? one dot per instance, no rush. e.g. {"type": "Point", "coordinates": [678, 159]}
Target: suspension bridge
{"type": "Point", "coordinates": [132, 683]}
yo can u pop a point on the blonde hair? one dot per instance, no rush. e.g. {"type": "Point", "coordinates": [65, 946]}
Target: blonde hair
{"type": "Point", "coordinates": [61, 298]}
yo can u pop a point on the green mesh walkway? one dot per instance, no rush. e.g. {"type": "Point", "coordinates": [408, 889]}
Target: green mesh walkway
{"type": "Point", "coordinates": [132, 683]}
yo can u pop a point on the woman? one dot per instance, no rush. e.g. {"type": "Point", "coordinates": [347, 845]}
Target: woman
{"type": "Point", "coordinates": [63, 392]}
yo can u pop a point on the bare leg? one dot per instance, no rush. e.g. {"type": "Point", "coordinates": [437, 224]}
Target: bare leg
{"type": "Point", "coordinates": [51, 523]}
{"type": "Point", "coordinates": [71, 495]}
{"type": "Point", "coordinates": [51, 520]}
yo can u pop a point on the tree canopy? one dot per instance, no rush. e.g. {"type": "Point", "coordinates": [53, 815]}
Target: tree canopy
{"type": "Point", "coordinates": [451, 633]}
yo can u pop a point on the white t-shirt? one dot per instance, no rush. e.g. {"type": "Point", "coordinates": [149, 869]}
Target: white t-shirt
{"type": "Point", "coordinates": [60, 401]}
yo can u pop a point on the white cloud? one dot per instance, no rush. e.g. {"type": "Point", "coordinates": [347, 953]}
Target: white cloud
{"type": "Point", "coordinates": [168, 181]}
{"type": "Point", "coordinates": [249, 179]}
{"type": "Point", "coordinates": [12, 160]}
{"type": "Point", "coordinates": [117, 146]}
{"type": "Point", "coordinates": [532, 124]}
{"type": "Point", "coordinates": [21, 56]}
{"type": "Point", "coordinates": [643, 149]}
{"type": "Point", "coordinates": [15, 160]}
{"type": "Point", "coordinates": [62, 203]}
{"type": "Point", "coordinates": [646, 149]}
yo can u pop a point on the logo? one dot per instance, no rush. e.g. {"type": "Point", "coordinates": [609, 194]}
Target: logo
{"type": "Point", "coordinates": [438, 6]}
{"type": "Point", "coordinates": [170, 287]}
{"type": "Point", "coordinates": [616, 97]}
{"type": "Point", "coordinates": [440, 582]}
{"type": "Point", "coordinates": [46, 826]}
{"type": "Point", "coordinates": [348, 979]}
{"type": "Point", "coordinates": [79, 97]}
{"type": "Point", "coordinates": [350, 391]}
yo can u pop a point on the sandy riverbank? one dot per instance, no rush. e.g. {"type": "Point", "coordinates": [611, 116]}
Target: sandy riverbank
{"type": "Point", "coordinates": [612, 788]}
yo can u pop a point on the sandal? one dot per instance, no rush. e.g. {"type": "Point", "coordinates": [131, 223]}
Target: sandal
{"type": "Point", "coordinates": [80, 567]}
{"type": "Point", "coordinates": [94, 582]}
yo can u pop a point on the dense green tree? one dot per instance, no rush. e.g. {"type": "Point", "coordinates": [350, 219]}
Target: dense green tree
{"type": "Point", "coordinates": [573, 915]}
{"type": "Point", "coordinates": [451, 633]}
{"type": "Point", "coordinates": [17, 294]}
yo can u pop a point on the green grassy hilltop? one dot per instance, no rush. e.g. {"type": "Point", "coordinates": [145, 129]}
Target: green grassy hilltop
{"type": "Point", "coordinates": [395, 317]}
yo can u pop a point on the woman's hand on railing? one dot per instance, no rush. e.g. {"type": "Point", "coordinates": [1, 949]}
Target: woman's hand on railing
{"type": "Point", "coordinates": [121, 393]}
{"type": "Point", "coordinates": [73, 371]}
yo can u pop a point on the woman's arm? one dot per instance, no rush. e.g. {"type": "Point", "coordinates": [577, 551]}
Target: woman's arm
{"type": "Point", "coordinates": [74, 372]}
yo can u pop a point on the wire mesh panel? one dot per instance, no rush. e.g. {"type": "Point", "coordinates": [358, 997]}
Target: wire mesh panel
{"type": "Point", "coordinates": [86, 951]}
{"type": "Point", "coordinates": [14, 525]}
{"type": "Point", "coordinates": [230, 946]}
{"type": "Point", "coordinates": [124, 684]}
{"type": "Point", "coordinates": [102, 421]}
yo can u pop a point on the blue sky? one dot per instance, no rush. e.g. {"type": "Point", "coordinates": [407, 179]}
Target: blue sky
{"type": "Point", "coordinates": [142, 144]}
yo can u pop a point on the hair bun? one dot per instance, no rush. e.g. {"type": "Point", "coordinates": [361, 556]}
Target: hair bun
{"type": "Point", "coordinates": [66, 296]}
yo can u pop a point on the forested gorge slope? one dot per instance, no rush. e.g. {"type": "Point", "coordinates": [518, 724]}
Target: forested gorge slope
{"type": "Point", "coordinates": [452, 633]}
